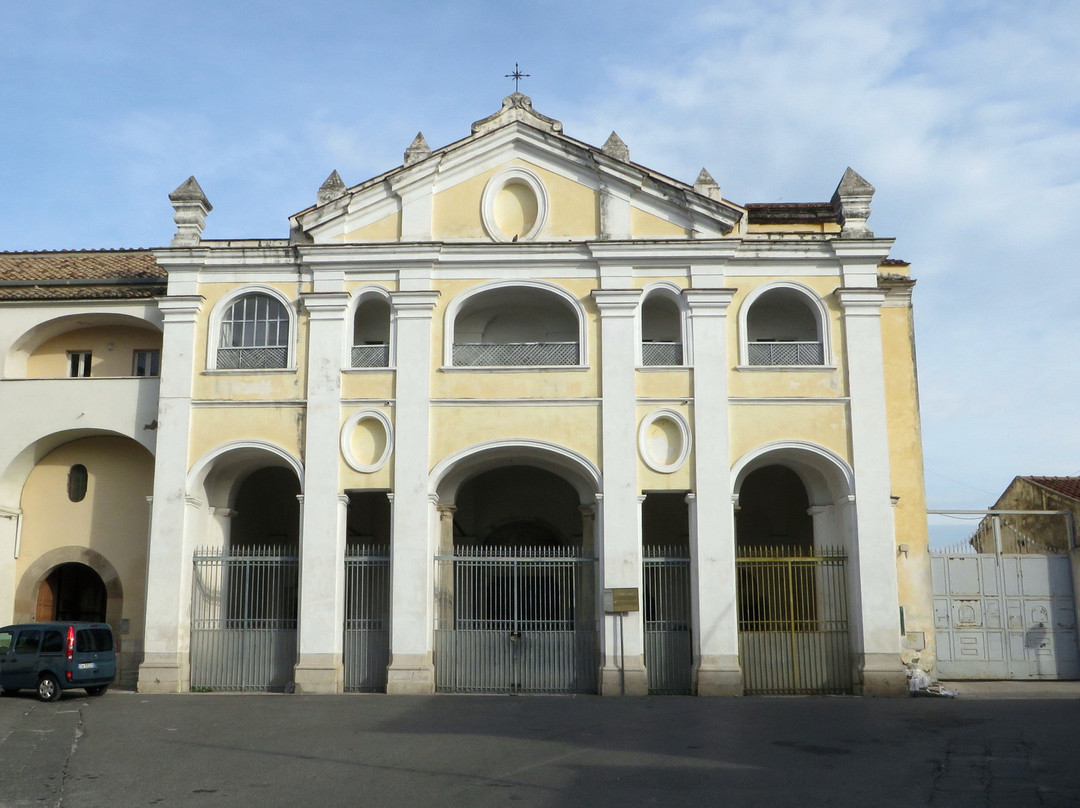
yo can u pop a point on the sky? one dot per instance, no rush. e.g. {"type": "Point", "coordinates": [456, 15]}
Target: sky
{"type": "Point", "coordinates": [964, 114]}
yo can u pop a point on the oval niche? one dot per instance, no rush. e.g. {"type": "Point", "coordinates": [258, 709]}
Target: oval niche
{"type": "Point", "coordinates": [514, 206]}
{"type": "Point", "coordinates": [664, 440]}
{"type": "Point", "coordinates": [366, 440]}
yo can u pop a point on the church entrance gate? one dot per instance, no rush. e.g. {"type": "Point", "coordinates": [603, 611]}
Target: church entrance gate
{"type": "Point", "coordinates": [243, 618]}
{"type": "Point", "coordinates": [793, 620]}
{"type": "Point", "coordinates": [516, 619]}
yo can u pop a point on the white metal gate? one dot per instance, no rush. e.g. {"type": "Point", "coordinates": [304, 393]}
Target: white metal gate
{"type": "Point", "coordinates": [516, 620]}
{"type": "Point", "coordinates": [668, 648]}
{"type": "Point", "coordinates": [1004, 615]}
{"type": "Point", "coordinates": [243, 618]}
{"type": "Point", "coordinates": [367, 617]}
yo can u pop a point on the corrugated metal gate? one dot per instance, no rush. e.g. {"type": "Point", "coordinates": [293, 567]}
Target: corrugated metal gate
{"type": "Point", "coordinates": [243, 618]}
{"type": "Point", "coordinates": [1004, 616]}
{"type": "Point", "coordinates": [793, 620]}
{"type": "Point", "coordinates": [367, 617]}
{"type": "Point", "coordinates": [668, 647]}
{"type": "Point", "coordinates": [516, 620]}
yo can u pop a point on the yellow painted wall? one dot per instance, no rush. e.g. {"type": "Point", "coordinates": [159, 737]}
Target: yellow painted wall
{"type": "Point", "coordinates": [112, 349]}
{"type": "Point", "coordinates": [666, 384]}
{"type": "Point", "coordinates": [386, 229]}
{"type": "Point", "coordinates": [213, 426]}
{"type": "Point", "coordinates": [575, 427]}
{"type": "Point", "coordinates": [647, 225]}
{"type": "Point", "coordinates": [906, 469]}
{"type": "Point", "coordinates": [752, 425]}
{"type": "Point", "coordinates": [113, 519]}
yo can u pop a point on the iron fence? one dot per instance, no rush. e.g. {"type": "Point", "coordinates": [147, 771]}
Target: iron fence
{"type": "Point", "coordinates": [251, 358]}
{"type": "Point", "coordinates": [668, 646]}
{"type": "Point", "coordinates": [661, 353]}
{"type": "Point", "coordinates": [515, 354]}
{"type": "Point", "coordinates": [367, 617]}
{"type": "Point", "coordinates": [243, 618]}
{"type": "Point", "coordinates": [786, 353]}
{"type": "Point", "coordinates": [793, 620]}
{"type": "Point", "coordinates": [370, 356]}
{"type": "Point", "coordinates": [516, 620]}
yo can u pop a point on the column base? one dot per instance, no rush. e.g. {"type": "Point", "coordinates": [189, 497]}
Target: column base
{"type": "Point", "coordinates": [719, 676]}
{"type": "Point", "coordinates": [630, 680]}
{"type": "Point", "coordinates": [163, 673]}
{"type": "Point", "coordinates": [410, 675]}
{"type": "Point", "coordinates": [881, 675]}
{"type": "Point", "coordinates": [319, 674]}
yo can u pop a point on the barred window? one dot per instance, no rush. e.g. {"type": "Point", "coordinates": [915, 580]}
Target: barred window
{"type": "Point", "coordinates": [783, 328]}
{"type": "Point", "coordinates": [254, 334]}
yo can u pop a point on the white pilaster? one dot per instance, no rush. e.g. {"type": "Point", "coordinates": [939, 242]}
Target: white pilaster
{"type": "Point", "coordinates": [712, 532]}
{"type": "Point", "coordinates": [322, 547]}
{"type": "Point", "coordinates": [168, 576]}
{"type": "Point", "coordinates": [623, 663]}
{"type": "Point", "coordinates": [413, 543]}
{"type": "Point", "coordinates": [874, 592]}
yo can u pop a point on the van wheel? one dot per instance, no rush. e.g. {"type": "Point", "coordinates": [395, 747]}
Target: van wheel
{"type": "Point", "coordinates": [97, 691]}
{"type": "Point", "coordinates": [48, 688]}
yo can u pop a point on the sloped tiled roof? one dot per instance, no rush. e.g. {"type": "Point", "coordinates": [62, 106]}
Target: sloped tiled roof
{"type": "Point", "coordinates": [1068, 486]}
{"type": "Point", "coordinates": [80, 275]}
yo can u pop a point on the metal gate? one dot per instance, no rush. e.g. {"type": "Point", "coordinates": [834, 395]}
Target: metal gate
{"type": "Point", "coordinates": [793, 620]}
{"type": "Point", "coordinates": [243, 618]}
{"type": "Point", "coordinates": [367, 617]}
{"type": "Point", "coordinates": [668, 648]}
{"type": "Point", "coordinates": [1004, 615]}
{"type": "Point", "coordinates": [516, 620]}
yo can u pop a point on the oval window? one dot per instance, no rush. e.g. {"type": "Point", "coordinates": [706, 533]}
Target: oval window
{"type": "Point", "coordinates": [664, 440]}
{"type": "Point", "coordinates": [76, 483]}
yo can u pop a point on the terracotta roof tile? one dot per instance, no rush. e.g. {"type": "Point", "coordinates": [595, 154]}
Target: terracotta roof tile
{"type": "Point", "coordinates": [1069, 486]}
{"type": "Point", "coordinates": [80, 274]}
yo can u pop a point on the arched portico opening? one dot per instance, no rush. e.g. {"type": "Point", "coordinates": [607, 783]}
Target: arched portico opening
{"type": "Point", "coordinates": [72, 591]}
{"type": "Point", "coordinates": [791, 562]}
{"type": "Point", "coordinates": [516, 602]}
{"type": "Point", "coordinates": [245, 584]}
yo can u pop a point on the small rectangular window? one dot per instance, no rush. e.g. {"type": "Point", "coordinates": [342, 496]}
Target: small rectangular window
{"type": "Point", "coordinates": [27, 642]}
{"type": "Point", "coordinates": [93, 639]}
{"type": "Point", "coordinates": [78, 363]}
{"type": "Point", "coordinates": [52, 643]}
{"type": "Point", "coordinates": [146, 363]}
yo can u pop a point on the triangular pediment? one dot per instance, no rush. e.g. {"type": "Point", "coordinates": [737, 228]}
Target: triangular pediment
{"type": "Point", "coordinates": [517, 177]}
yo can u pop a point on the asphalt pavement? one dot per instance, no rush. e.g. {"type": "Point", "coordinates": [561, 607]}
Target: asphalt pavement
{"type": "Point", "coordinates": [129, 749]}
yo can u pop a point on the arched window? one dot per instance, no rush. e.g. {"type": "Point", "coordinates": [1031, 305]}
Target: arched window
{"type": "Point", "coordinates": [254, 334]}
{"type": "Point", "coordinates": [371, 333]}
{"type": "Point", "coordinates": [784, 326]}
{"type": "Point", "coordinates": [661, 331]}
{"type": "Point", "coordinates": [520, 325]}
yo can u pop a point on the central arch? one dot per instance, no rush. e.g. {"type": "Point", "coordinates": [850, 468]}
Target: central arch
{"type": "Point", "coordinates": [516, 602]}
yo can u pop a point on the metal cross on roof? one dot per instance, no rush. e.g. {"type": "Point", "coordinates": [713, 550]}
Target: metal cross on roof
{"type": "Point", "coordinates": [517, 76]}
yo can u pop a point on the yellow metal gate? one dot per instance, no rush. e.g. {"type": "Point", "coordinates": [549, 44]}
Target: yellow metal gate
{"type": "Point", "coordinates": [793, 620]}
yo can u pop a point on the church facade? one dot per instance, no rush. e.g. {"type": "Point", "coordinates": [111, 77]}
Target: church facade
{"type": "Point", "coordinates": [519, 415]}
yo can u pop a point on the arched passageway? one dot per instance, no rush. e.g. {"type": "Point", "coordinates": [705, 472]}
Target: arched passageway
{"type": "Point", "coordinates": [245, 585]}
{"type": "Point", "coordinates": [792, 588]}
{"type": "Point", "coordinates": [72, 591]}
{"type": "Point", "coordinates": [516, 607]}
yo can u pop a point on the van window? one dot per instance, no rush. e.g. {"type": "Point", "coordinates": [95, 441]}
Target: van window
{"type": "Point", "coordinates": [52, 642]}
{"type": "Point", "coordinates": [27, 642]}
{"type": "Point", "coordinates": [93, 639]}
{"type": "Point", "coordinates": [5, 642]}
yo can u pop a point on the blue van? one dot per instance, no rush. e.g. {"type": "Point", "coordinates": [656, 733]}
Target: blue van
{"type": "Point", "coordinates": [53, 657]}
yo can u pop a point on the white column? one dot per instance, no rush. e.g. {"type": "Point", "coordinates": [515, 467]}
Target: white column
{"type": "Point", "coordinates": [623, 637]}
{"type": "Point", "coordinates": [413, 543]}
{"type": "Point", "coordinates": [322, 547]}
{"type": "Point", "coordinates": [874, 594]}
{"type": "Point", "coordinates": [10, 527]}
{"type": "Point", "coordinates": [168, 576]}
{"type": "Point", "coordinates": [712, 533]}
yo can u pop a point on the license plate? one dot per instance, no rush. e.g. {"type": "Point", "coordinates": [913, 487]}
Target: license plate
{"type": "Point", "coordinates": [87, 665]}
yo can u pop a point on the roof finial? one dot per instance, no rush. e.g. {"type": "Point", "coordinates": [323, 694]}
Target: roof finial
{"type": "Point", "coordinates": [517, 76]}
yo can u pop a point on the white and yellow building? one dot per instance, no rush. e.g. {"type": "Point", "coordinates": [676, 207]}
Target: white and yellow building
{"type": "Point", "coordinates": [517, 415]}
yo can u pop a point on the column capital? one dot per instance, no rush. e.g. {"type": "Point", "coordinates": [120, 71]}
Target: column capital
{"type": "Point", "coordinates": [708, 302]}
{"type": "Point", "coordinates": [861, 301]}
{"type": "Point", "coordinates": [325, 305]}
{"type": "Point", "coordinates": [414, 305]}
{"type": "Point", "coordinates": [180, 308]}
{"type": "Point", "coordinates": [617, 302]}
{"type": "Point", "coordinates": [343, 499]}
